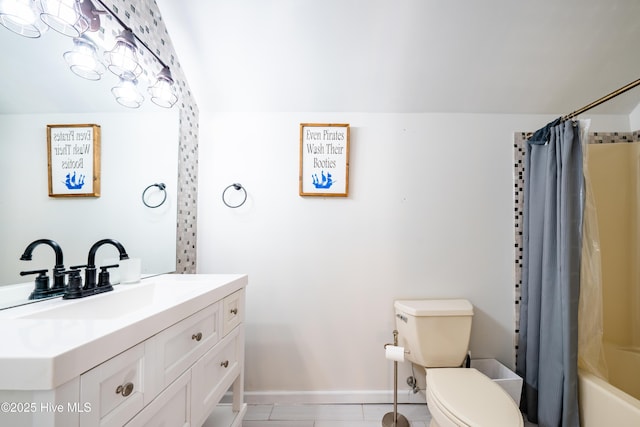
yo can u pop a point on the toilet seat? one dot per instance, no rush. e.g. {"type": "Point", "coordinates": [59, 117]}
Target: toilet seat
{"type": "Point", "coordinates": [465, 397]}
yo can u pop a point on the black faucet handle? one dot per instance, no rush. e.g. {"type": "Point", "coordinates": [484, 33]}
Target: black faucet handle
{"type": "Point", "coordinates": [42, 283]}
{"type": "Point", "coordinates": [41, 289]}
{"type": "Point", "coordinates": [77, 267]}
{"type": "Point", "coordinates": [104, 282]}
{"type": "Point", "coordinates": [40, 272]}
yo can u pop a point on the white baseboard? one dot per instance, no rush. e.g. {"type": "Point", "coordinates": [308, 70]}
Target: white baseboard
{"type": "Point", "coordinates": [331, 397]}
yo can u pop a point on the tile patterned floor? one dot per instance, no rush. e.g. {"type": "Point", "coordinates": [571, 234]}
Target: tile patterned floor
{"type": "Point", "coordinates": [368, 415]}
{"type": "Point", "coordinates": [348, 415]}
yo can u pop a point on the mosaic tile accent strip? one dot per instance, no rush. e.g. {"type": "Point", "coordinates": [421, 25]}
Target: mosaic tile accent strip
{"type": "Point", "coordinates": [143, 17]}
{"type": "Point", "coordinates": [519, 141]}
{"type": "Point", "coordinates": [519, 153]}
{"type": "Point", "coordinates": [612, 137]}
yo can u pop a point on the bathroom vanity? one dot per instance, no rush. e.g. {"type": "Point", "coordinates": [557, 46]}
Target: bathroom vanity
{"type": "Point", "coordinates": [161, 352]}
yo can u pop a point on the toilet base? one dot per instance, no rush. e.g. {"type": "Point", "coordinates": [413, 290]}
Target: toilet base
{"type": "Point", "coordinates": [387, 420]}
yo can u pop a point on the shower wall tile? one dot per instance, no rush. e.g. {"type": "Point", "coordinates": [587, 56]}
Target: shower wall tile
{"type": "Point", "coordinates": [612, 137]}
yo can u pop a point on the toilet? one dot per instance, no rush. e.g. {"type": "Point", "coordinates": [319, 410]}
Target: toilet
{"type": "Point", "coordinates": [435, 334]}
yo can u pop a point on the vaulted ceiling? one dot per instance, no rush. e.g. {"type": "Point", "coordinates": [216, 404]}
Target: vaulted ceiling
{"type": "Point", "coordinates": [405, 56]}
{"type": "Point", "coordinates": [491, 56]}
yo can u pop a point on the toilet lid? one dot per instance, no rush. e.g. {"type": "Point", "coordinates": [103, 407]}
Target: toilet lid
{"type": "Point", "coordinates": [472, 398]}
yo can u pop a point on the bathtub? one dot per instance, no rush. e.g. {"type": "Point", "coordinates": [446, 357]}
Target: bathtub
{"type": "Point", "coordinates": [613, 403]}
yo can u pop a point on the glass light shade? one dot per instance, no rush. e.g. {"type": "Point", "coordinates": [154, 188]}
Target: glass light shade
{"type": "Point", "coordinates": [83, 59]}
{"type": "Point", "coordinates": [64, 17]}
{"type": "Point", "coordinates": [161, 92]}
{"type": "Point", "coordinates": [122, 59]}
{"type": "Point", "coordinates": [22, 17]}
{"type": "Point", "coordinates": [126, 92]}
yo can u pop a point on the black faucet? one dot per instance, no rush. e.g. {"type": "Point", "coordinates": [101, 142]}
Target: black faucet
{"type": "Point", "coordinates": [58, 269]}
{"type": "Point", "coordinates": [90, 272]}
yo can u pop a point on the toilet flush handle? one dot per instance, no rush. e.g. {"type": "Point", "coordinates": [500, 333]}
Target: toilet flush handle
{"type": "Point", "coordinates": [402, 317]}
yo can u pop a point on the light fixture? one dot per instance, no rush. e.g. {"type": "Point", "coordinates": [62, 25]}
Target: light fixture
{"type": "Point", "coordinates": [122, 59]}
{"type": "Point", "coordinates": [83, 59]}
{"type": "Point", "coordinates": [31, 18]}
{"type": "Point", "coordinates": [66, 16]}
{"type": "Point", "coordinates": [161, 92]}
{"type": "Point", "coordinates": [22, 17]}
{"type": "Point", "coordinates": [126, 92]}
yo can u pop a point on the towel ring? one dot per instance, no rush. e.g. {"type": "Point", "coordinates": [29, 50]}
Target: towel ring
{"type": "Point", "coordinates": [162, 188]}
{"type": "Point", "coordinates": [238, 187]}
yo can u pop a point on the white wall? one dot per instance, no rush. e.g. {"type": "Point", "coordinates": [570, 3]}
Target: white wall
{"type": "Point", "coordinates": [634, 118]}
{"type": "Point", "coordinates": [429, 215]}
{"type": "Point", "coordinates": [136, 150]}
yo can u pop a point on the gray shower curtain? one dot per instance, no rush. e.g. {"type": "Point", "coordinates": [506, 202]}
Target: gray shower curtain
{"type": "Point", "coordinates": [552, 231]}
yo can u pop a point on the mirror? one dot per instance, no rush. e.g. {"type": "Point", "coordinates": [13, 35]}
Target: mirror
{"type": "Point", "coordinates": [139, 147]}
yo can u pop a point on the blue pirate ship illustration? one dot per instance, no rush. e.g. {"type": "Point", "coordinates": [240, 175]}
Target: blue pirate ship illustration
{"type": "Point", "coordinates": [325, 182]}
{"type": "Point", "coordinates": [72, 184]}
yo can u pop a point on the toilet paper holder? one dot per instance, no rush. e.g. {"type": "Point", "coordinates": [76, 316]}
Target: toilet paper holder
{"type": "Point", "coordinates": [395, 419]}
{"type": "Point", "coordinates": [388, 344]}
{"type": "Point", "coordinates": [395, 342]}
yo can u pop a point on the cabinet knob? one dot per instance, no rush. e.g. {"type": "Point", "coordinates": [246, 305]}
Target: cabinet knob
{"type": "Point", "coordinates": [224, 364]}
{"type": "Point", "coordinates": [234, 311]}
{"type": "Point", "coordinates": [197, 336]}
{"type": "Point", "coordinates": [125, 390]}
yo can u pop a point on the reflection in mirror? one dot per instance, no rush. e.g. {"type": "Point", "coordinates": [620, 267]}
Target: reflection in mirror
{"type": "Point", "coordinates": [138, 148]}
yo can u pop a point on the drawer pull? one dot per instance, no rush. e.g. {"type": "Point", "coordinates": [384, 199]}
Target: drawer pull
{"type": "Point", "coordinates": [234, 311]}
{"type": "Point", "coordinates": [197, 336]}
{"type": "Point", "coordinates": [225, 364]}
{"type": "Point", "coordinates": [125, 390]}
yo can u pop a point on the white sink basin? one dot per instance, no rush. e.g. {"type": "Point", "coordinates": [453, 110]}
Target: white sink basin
{"type": "Point", "coordinates": [123, 301]}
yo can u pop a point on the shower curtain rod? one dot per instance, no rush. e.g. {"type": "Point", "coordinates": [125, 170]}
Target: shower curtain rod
{"type": "Point", "coordinates": [602, 100]}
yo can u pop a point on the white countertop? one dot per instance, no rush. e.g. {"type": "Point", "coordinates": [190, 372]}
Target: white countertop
{"type": "Point", "coordinates": [49, 343]}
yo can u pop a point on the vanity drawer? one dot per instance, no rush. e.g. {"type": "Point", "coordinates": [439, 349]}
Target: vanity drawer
{"type": "Point", "coordinates": [117, 389]}
{"type": "Point", "coordinates": [175, 349]}
{"type": "Point", "coordinates": [171, 407]}
{"type": "Point", "coordinates": [233, 310]}
{"type": "Point", "coordinates": [213, 374]}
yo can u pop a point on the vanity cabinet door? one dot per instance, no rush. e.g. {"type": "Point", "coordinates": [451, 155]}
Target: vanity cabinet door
{"type": "Point", "coordinates": [233, 310]}
{"type": "Point", "coordinates": [118, 389]}
{"type": "Point", "coordinates": [171, 408]}
{"type": "Point", "coordinates": [213, 374]}
{"type": "Point", "coordinates": [175, 349]}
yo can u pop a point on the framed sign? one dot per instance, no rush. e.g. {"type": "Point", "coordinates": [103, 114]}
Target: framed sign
{"type": "Point", "coordinates": [73, 153]}
{"type": "Point", "coordinates": [324, 159]}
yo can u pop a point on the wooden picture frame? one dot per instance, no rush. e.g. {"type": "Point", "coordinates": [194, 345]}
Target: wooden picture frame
{"type": "Point", "coordinates": [324, 160]}
{"type": "Point", "coordinates": [73, 157]}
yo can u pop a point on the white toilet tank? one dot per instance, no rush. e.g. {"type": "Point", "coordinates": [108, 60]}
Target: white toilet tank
{"type": "Point", "coordinates": [436, 332]}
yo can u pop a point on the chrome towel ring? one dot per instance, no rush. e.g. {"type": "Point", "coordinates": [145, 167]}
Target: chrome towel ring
{"type": "Point", "coordinates": [238, 187]}
{"type": "Point", "coordinates": [162, 188]}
